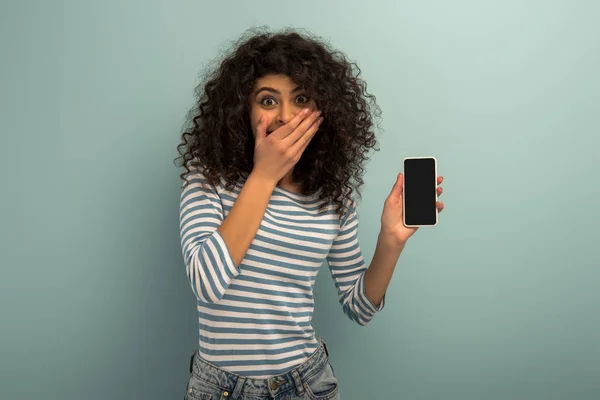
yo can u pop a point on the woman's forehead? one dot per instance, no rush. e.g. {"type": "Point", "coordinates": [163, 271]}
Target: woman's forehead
{"type": "Point", "coordinates": [276, 81]}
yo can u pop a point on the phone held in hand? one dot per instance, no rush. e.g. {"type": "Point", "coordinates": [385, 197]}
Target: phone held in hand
{"type": "Point", "coordinates": [420, 192]}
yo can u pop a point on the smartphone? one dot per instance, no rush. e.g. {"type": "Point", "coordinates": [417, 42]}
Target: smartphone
{"type": "Point", "coordinates": [420, 192]}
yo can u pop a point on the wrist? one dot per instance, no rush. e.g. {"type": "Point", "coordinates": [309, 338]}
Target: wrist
{"type": "Point", "coordinates": [390, 241]}
{"type": "Point", "coordinates": [261, 180]}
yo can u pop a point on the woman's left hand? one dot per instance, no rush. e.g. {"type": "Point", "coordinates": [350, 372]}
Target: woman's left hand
{"type": "Point", "coordinates": [392, 224]}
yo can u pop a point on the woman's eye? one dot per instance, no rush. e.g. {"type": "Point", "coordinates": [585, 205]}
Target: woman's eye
{"type": "Point", "coordinates": [303, 99]}
{"type": "Point", "coordinates": [267, 101]}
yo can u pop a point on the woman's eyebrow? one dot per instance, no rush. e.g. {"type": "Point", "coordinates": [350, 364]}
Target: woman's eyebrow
{"type": "Point", "coordinates": [270, 89]}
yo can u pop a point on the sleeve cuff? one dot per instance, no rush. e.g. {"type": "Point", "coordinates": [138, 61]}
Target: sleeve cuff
{"type": "Point", "coordinates": [230, 269]}
{"type": "Point", "coordinates": [371, 307]}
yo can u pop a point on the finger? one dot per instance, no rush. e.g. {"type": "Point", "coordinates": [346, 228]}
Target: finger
{"type": "Point", "coordinates": [440, 206]}
{"type": "Point", "coordinates": [292, 124]}
{"type": "Point", "coordinates": [299, 147]}
{"type": "Point", "coordinates": [261, 128]}
{"type": "Point", "coordinates": [440, 190]}
{"type": "Point", "coordinates": [303, 128]}
{"type": "Point", "coordinates": [440, 179]}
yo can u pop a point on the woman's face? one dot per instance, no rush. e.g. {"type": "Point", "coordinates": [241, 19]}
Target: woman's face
{"type": "Point", "coordinates": [278, 99]}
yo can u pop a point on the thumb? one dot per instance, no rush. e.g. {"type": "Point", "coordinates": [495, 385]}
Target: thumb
{"type": "Point", "coordinates": [398, 187]}
{"type": "Point", "coordinates": [261, 128]}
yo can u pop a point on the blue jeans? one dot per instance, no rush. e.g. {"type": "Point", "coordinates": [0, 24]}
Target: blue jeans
{"type": "Point", "coordinates": [312, 380]}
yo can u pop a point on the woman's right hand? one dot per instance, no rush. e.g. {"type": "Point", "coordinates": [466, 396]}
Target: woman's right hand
{"type": "Point", "coordinates": [277, 153]}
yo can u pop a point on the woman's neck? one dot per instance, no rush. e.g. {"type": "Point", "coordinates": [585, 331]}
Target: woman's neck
{"type": "Point", "coordinates": [288, 184]}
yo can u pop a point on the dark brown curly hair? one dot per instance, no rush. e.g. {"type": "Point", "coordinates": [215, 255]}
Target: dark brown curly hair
{"type": "Point", "coordinates": [219, 139]}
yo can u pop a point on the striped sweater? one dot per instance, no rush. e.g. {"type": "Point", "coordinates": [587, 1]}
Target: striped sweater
{"type": "Point", "coordinates": [255, 318]}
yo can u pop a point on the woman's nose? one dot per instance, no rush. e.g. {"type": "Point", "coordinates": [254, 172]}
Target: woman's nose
{"type": "Point", "coordinates": [286, 113]}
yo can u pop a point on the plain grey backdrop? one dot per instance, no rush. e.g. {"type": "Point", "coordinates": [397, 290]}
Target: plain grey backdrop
{"type": "Point", "coordinates": [500, 301]}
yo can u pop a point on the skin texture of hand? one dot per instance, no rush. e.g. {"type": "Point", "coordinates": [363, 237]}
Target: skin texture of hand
{"type": "Point", "coordinates": [392, 225]}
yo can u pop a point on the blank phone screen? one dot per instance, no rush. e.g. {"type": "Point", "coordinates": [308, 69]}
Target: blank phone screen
{"type": "Point", "coordinates": [419, 191]}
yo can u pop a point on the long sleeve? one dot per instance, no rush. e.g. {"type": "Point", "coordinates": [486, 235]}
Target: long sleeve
{"type": "Point", "coordinates": [209, 265]}
{"type": "Point", "coordinates": [348, 268]}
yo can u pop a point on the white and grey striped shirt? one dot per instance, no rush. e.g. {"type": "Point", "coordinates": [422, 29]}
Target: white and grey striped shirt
{"type": "Point", "coordinates": [255, 320]}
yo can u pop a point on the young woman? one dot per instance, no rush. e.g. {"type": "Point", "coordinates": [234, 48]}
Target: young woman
{"type": "Point", "coordinates": [272, 160]}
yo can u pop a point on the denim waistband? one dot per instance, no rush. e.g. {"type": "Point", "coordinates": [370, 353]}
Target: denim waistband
{"type": "Point", "coordinates": [237, 384]}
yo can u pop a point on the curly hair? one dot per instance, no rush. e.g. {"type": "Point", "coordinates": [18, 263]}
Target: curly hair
{"type": "Point", "coordinates": [219, 138]}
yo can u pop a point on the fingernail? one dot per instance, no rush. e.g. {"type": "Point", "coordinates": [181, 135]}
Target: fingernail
{"type": "Point", "coordinates": [318, 113]}
{"type": "Point", "coordinates": [306, 110]}
{"type": "Point", "coordinates": [321, 120]}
